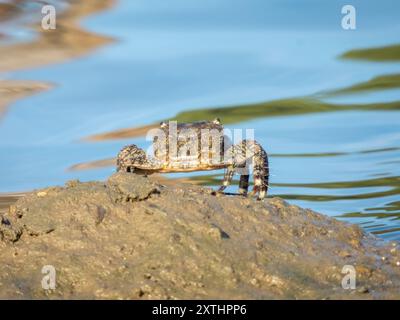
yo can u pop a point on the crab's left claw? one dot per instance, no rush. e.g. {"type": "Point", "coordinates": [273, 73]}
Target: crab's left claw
{"type": "Point", "coordinates": [131, 158]}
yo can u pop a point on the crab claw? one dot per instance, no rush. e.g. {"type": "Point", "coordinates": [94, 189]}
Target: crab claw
{"type": "Point", "coordinates": [132, 158]}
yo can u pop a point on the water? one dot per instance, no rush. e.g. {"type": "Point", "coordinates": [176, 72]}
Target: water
{"type": "Point", "coordinates": [272, 65]}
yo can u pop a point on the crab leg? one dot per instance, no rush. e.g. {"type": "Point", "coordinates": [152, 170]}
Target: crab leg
{"type": "Point", "coordinates": [252, 150]}
{"type": "Point", "coordinates": [260, 172]}
{"type": "Point", "coordinates": [228, 176]}
{"type": "Point", "coordinates": [244, 184]}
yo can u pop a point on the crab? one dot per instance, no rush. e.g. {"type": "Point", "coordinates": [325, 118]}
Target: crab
{"type": "Point", "coordinates": [200, 146]}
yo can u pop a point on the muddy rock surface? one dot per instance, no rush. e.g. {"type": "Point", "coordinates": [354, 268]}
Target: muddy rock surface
{"type": "Point", "coordinates": [133, 238]}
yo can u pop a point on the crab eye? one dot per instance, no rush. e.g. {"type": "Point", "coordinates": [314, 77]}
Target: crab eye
{"type": "Point", "coordinates": [217, 121]}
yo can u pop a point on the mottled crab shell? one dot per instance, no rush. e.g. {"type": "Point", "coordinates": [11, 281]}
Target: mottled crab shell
{"type": "Point", "coordinates": [199, 146]}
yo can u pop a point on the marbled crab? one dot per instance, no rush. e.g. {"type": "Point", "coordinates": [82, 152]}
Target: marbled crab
{"type": "Point", "coordinates": [200, 146]}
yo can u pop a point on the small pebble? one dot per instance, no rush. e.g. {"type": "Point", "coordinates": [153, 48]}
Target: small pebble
{"type": "Point", "coordinates": [398, 263]}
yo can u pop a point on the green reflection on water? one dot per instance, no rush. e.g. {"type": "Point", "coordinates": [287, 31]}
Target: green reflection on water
{"type": "Point", "coordinates": [386, 82]}
{"type": "Point", "coordinates": [285, 107]}
{"type": "Point", "coordinates": [392, 183]}
{"type": "Point", "coordinates": [388, 53]}
{"type": "Point", "coordinates": [303, 105]}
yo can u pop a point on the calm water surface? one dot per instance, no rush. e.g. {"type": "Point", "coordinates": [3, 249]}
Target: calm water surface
{"type": "Point", "coordinates": [197, 56]}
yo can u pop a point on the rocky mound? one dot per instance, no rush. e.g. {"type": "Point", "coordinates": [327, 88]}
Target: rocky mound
{"type": "Point", "coordinates": [130, 237]}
